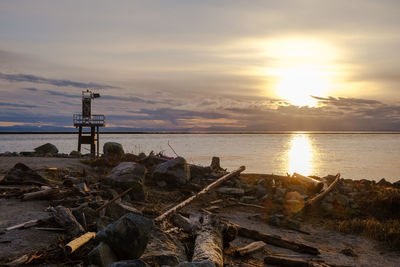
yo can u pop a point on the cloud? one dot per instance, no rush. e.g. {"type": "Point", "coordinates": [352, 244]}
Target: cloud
{"type": "Point", "coordinates": [56, 82]}
{"type": "Point", "coordinates": [15, 105]}
{"type": "Point", "coordinates": [342, 101]}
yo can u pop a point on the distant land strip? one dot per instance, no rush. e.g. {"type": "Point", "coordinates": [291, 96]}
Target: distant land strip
{"type": "Point", "coordinates": [167, 132]}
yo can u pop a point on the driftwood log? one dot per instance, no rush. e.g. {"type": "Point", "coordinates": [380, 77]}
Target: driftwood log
{"type": "Point", "coordinates": [250, 248]}
{"type": "Point", "coordinates": [276, 241]}
{"type": "Point", "coordinates": [310, 184]}
{"type": "Point", "coordinates": [80, 241]}
{"type": "Point", "coordinates": [202, 192]}
{"type": "Point", "coordinates": [208, 243]}
{"type": "Point", "coordinates": [321, 195]}
{"type": "Point", "coordinates": [42, 194]}
{"type": "Point", "coordinates": [63, 216]}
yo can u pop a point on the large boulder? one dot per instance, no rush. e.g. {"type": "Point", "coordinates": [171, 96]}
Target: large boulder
{"type": "Point", "coordinates": [128, 236]}
{"type": "Point", "coordinates": [22, 174]}
{"type": "Point", "coordinates": [102, 255]}
{"type": "Point", "coordinates": [174, 171]}
{"type": "Point", "coordinates": [113, 149]}
{"type": "Point", "coordinates": [164, 249]}
{"type": "Point", "coordinates": [46, 149]}
{"type": "Point", "coordinates": [128, 175]}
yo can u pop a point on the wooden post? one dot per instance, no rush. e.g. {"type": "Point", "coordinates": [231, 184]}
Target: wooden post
{"type": "Point", "coordinates": [92, 140]}
{"type": "Point", "coordinates": [98, 141]}
{"type": "Point", "coordinates": [79, 139]}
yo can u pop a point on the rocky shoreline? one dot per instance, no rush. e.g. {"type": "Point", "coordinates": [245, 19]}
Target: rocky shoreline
{"type": "Point", "coordinates": [120, 197]}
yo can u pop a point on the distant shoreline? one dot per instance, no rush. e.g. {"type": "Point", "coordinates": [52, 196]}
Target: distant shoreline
{"type": "Point", "coordinates": [273, 132]}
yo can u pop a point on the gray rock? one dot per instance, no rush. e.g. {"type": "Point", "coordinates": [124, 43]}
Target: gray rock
{"type": "Point", "coordinates": [274, 220]}
{"type": "Point", "coordinates": [46, 149]}
{"type": "Point", "coordinates": [128, 236]}
{"type": "Point", "coordinates": [231, 191]}
{"type": "Point", "coordinates": [22, 174]}
{"type": "Point", "coordinates": [205, 263]}
{"type": "Point", "coordinates": [102, 255]}
{"type": "Point", "coordinates": [75, 154]}
{"type": "Point", "coordinates": [280, 192]}
{"type": "Point", "coordinates": [260, 191]}
{"type": "Point", "coordinates": [164, 249]}
{"type": "Point", "coordinates": [127, 175]}
{"type": "Point", "coordinates": [129, 263]}
{"type": "Point", "coordinates": [174, 171]}
{"type": "Point", "coordinates": [113, 149]}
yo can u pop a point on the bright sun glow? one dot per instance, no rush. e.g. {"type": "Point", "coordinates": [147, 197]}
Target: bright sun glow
{"type": "Point", "coordinates": [300, 155]}
{"type": "Point", "coordinates": [301, 68]}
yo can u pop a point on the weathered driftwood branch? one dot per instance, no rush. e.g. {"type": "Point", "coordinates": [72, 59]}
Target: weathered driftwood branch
{"type": "Point", "coordinates": [312, 185]}
{"type": "Point", "coordinates": [43, 194]}
{"type": "Point", "coordinates": [63, 216]}
{"type": "Point", "coordinates": [276, 241]}
{"type": "Point", "coordinates": [23, 225]}
{"type": "Point", "coordinates": [208, 244]}
{"type": "Point", "coordinates": [250, 248]}
{"type": "Point", "coordinates": [202, 192]}
{"type": "Point", "coordinates": [321, 195]}
{"type": "Point", "coordinates": [80, 241]}
{"type": "Point", "coordinates": [105, 205]}
{"type": "Point", "coordinates": [285, 261]}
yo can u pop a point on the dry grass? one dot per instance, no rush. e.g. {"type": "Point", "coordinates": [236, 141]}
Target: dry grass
{"type": "Point", "coordinates": [387, 231]}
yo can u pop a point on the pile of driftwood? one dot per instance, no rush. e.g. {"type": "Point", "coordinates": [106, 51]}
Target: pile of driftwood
{"type": "Point", "coordinates": [77, 208]}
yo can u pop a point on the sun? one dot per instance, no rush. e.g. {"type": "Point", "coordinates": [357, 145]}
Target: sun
{"type": "Point", "coordinates": [297, 85]}
{"type": "Point", "coordinates": [300, 68]}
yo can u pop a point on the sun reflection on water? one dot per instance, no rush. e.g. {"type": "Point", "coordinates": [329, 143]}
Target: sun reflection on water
{"type": "Point", "coordinates": [300, 155]}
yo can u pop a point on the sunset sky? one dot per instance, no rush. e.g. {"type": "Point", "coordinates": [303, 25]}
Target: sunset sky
{"type": "Point", "coordinates": [202, 65]}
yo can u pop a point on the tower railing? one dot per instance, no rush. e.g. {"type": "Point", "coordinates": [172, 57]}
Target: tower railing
{"type": "Point", "coordinates": [94, 120]}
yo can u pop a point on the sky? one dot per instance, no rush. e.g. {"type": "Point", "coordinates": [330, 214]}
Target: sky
{"type": "Point", "coordinates": [185, 65]}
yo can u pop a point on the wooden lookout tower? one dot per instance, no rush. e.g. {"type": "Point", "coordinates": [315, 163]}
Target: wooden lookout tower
{"type": "Point", "coordinates": [86, 119]}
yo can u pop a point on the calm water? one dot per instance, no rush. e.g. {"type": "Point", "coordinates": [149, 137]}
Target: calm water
{"type": "Point", "coordinates": [355, 156]}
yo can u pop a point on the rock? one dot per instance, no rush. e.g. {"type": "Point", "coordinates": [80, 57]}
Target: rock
{"type": "Point", "coordinates": [22, 174]}
{"type": "Point", "coordinates": [129, 263]}
{"type": "Point", "coordinates": [75, 154]}
{"type": "Point", "coordinates": [127, 175]}
{"type": "Point", "coordinates": [280, 192]}
{"type": "Point", "coordinates": [231, 191]}
{"type": "Point", "coordinates": [113, 149]}
{"type": "Point", "coordinates": [128, 236]}
{"type": "Point", "coordinates": [397, 184]}
{"type": "Point", "coordinates": [349, 252]}
{"type": "Point", "coordinates": [205, 263]}
{"type": "Point", "coordinates": [383, 182]}
{"type": "Point", "coordinates": [174, 171]}
{"type": "Point", "coordinates": [260, 181]}
{"type": "Point", "coordinates": [161, 183]}
{"type": "Point", "coordinates": [163, 249]}
{"type": "Point", "coordinates": [260, 191]}
{"type": "Point", "coordinates": [46, 149]}
{"type": "Point", "coordinates": [117, 210]}
{"type": "Point", "coordinates": [102, 255]}
{"type": "Point", "coordinates": [197, 173]}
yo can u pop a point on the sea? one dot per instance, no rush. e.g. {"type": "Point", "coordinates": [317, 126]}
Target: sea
{"type": "Point", "coordinates": [371, 156]}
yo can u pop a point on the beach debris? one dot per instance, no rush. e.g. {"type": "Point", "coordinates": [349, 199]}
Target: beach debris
{"type": "Point", "coordinates": [128, 236]}
{"type": "Point", "coordinates": [128, 175]}
{"type": "Point", "coordinates": [311, 185]}
{"type": "Point", "coordinates": [46, 149]}
{"type": "Point", "coordinates": [231, 191]}
{"type": "Point", "coordinates": [21, 174]}
{"type": "Point", "coordinates": [323, 193]}
{"type": "Point", "coordinates": [102, 255]}
{"type": "Point", "coordinates": [163, 248]}
{"type": "Point", "coordinates": [63, 216]}
{"type": "Point", "coordinates": [208, 243]}
{"type": "Point", "coordinates": [113, 149]}
{"type": "Point", "coordinates": [250, 248]}
{"type": "Point", "coordinates": [80, 241]}
{"type": "Point", "coordinates": [202, 192]}
{"type": "Point", "coordinates": [287, 261]}
{"type": "Point", "coordinates": [175, 171]}
{"type": "Point", "coordinates": [276, 241]}
{"type": "Point", "coordinates": [42, 194]}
